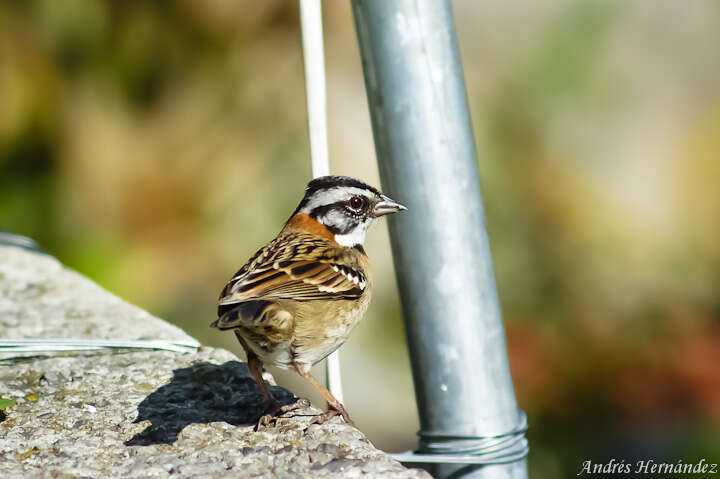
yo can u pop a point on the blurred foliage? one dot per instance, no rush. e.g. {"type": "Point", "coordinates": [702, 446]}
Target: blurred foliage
{"type": "Point", "coordinates": [5, 403]}
{"type": "Point", "coordinates": [154, 146]}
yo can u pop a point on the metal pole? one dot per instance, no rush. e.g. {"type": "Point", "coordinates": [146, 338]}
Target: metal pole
{"type": "Point", "coordinates": [427, 159]}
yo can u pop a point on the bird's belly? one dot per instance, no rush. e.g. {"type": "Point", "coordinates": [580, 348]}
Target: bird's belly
{"type": "Point", "coordinates": [318, 334]}
{"type": "Point", "coordinates": [309, 337]}
{"type": "Point", "coordinates": [334, 339]}
{"type": "Point", "coordinates": [278, 354]}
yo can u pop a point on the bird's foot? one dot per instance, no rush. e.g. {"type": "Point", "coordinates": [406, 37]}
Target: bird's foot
{"type": "Point", "coordinates": [331, 413]}
{"type": "Point", "coordinates": [276, 411]}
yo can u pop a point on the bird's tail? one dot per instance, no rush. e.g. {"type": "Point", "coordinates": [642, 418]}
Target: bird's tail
{"type": "Point", "coordinates": [239, 315]}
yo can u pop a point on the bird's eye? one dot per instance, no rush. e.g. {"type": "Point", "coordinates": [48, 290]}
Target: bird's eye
{"type": "Point", "coordinates": [356, 202]}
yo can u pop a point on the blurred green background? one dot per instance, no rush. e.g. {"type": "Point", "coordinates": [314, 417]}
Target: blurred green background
{"type": "Point", "coordinates": [154, 146]}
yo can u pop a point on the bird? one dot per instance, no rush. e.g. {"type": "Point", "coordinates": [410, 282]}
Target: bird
{"type": "Point", "coordinates": [298, 298]}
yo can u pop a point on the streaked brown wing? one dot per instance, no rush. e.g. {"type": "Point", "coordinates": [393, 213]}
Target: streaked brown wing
{"type": "Point", "coordinates": [301, 268]}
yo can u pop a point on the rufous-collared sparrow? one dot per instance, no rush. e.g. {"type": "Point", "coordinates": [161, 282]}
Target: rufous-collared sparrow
{"type": "Point", "coordinates": [299, 297]}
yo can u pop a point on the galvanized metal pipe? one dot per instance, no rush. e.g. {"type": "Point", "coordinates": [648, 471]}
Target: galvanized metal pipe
{"type": "Point", "coordinates": [427, 159]}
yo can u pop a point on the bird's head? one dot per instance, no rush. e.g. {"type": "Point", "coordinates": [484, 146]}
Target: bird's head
{"type": "Point", "coordinates": [346, 207]}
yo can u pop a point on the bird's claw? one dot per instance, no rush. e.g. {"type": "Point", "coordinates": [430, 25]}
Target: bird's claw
{"type": "Point", "coordinates": [277, 411]}
{"type": "Point", "coordinates": [331, 413]}
{"type": "Point", "coordinates": [265, 422]}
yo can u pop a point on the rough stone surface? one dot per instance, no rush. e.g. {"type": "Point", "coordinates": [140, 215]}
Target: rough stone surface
{"type": "Point", "coordinates": [144, 413]}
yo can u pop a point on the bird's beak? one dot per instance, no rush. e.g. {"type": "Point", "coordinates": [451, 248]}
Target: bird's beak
{"type": "Point", "coordinates": [386, 207]}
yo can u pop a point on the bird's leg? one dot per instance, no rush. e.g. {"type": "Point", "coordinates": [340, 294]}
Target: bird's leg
{"type": "Point", "coordinates": [273, 407]}
{"type": "Point", "coordinates": [255, 366]}
{"type": "Point", "coordinates": [334, 406]}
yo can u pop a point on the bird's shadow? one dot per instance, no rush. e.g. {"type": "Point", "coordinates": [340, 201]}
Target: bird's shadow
{"type": "Point", "coordinates": [199, 394]}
